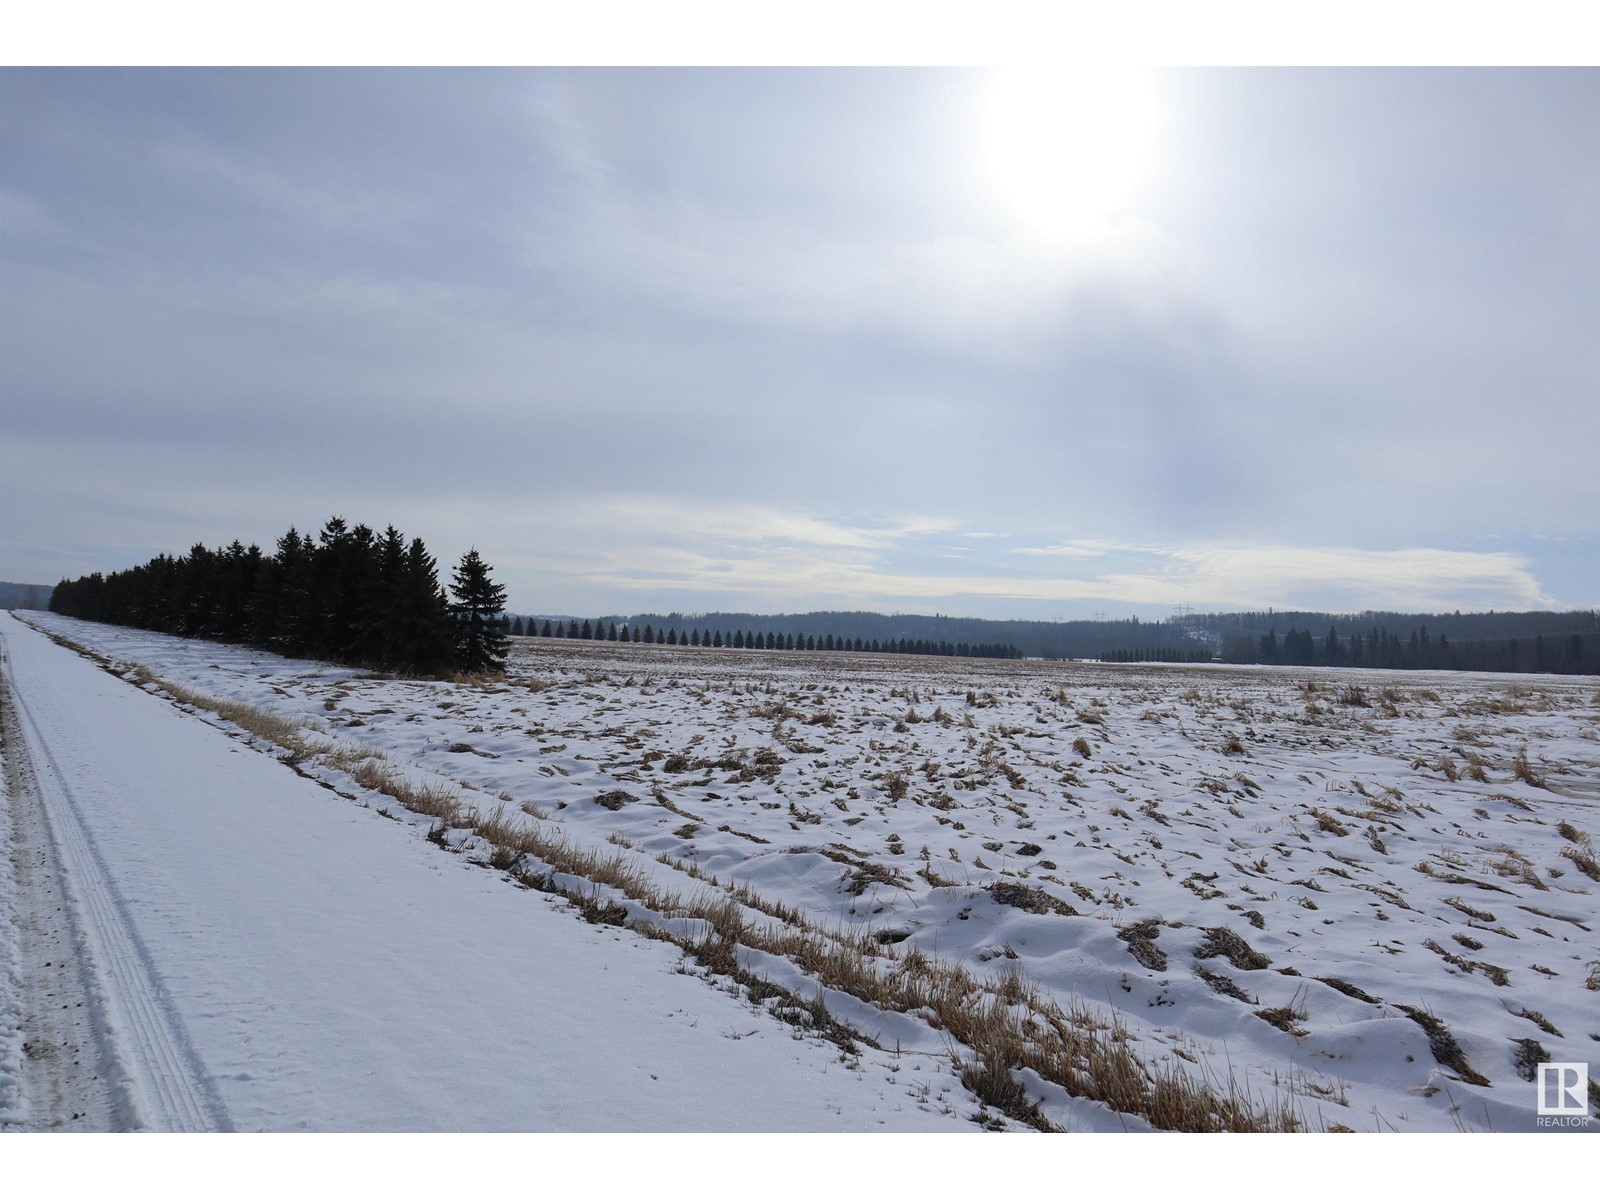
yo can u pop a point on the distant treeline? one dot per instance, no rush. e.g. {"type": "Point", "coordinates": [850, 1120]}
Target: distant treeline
{"type": "Point", "coordinates": [1493, 641]}
{"type": "Point", "coordinates": [348, 595]}
{"type": "Point", "coordinates": [746, 639]}
{"type": "Point", "coordinates": [1005, 639]}
{"type": "Point", "coordinates": [1419, 650]}
{"type": "Point", "coordinates": [1457, 626]}
{"type": "Point", "coordinates": [1170, 654]}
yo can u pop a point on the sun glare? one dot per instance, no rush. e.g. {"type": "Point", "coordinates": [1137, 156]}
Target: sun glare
{"type": "Point", "coordinates": [1069, 147]}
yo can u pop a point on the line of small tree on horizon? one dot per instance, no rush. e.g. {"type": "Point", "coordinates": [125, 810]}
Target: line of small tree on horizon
{"type": "Point", "coordinates": [741, 639]}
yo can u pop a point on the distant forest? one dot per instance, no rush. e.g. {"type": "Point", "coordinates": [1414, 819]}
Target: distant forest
{"type": "Point", "coordinates": [348, 596]}
{"type": "Point", "coordinates": [1564, 642]}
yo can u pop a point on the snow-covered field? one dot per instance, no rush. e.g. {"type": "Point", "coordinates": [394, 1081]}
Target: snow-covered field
{"type": "Point", "coordinates": [206, 941]}
{"type": "Point", "coordinates": [1369, 897]}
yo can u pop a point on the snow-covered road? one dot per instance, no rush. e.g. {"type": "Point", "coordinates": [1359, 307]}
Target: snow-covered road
{"type": "Point", "coordinates": [258, 953]}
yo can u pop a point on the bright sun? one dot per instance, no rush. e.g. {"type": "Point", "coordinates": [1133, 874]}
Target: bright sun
{"type": "Point", "coordinates": [1069, 147]}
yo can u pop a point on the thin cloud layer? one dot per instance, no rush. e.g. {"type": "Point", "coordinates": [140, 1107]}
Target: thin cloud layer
{"type": "Point", "coordinates": [774, 339]}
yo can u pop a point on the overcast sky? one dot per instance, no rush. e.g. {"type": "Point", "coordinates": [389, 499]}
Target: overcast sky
{"type": "Point", "coordinates": [1039, 345]}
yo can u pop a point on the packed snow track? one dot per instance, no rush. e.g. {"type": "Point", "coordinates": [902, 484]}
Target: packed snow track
{"type": "Point", "coordinates": [149, 1076]}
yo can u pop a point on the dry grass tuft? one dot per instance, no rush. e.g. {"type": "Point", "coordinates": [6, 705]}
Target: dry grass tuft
{"type": "Point", "coordinates": [1141, 940]}
{"type": "Point", "coordinates": [1224, 943]}
{"type": "Point", "coordinates": [1347, 989]}
{"type": "Point", "coordinates": [1539, 1019]}
{"type": "Point", "coordinates": [1477, 914]}
{"type": "Point", "coordinates": [1524, 770]}
{"type": "Point", "coordinates": [1515, 866]}
{"type": "Point", "coordinates": [1328, 823]}
{"type": "Point", "coordinates": [1222, 985]}
{"type": "Point", "coordinates": [1528, 1056]}
{"type": "Point", "coordinates": [1029, 899]}
{"type": "Point", "coordinates": [1497, 975]}
{"type": "Point", "coordinates": [281, 731]}
{"type": "Point", "coordinates": [1287, 1017]}
{"type": "Point", "coordinates": [1446, 1050]}
{"type": "Point", "coordinates": [1583, 858]}
{"type": "Point", "coordinates": [987, 1077]}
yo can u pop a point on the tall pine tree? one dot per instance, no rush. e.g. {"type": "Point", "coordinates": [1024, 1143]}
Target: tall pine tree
{"type": "Point", "coordinates": [480, 637]}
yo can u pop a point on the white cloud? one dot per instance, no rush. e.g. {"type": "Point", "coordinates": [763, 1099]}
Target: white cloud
{"type": "Point", "coordinates": [736, 526]}
{"type": "Point", "coordinates": [1087, 548]}
{"type": "Point", "coordinates": [778, 557]}
{"type": "Point", "coordinates": [1414, 578]}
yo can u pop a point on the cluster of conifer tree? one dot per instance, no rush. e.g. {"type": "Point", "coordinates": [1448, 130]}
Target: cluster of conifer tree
{"type": "Point", "coordinates": [347, 595]}
{"type": "Point", "coordinates": [741, 639]}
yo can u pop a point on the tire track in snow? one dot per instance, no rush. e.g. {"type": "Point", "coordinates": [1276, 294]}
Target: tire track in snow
{"type": "Point", "coordinates": [158, 1080]}
{"type": "Point", "coordinates": [64, 1068]}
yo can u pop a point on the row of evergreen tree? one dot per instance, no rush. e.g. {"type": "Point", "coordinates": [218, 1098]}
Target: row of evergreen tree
{"type": "Point", "coordinates": [1377, 647]}
{"type": "Point", "coordinates": [1159, 654]}
{"type": "Point", "coordinates": [741, 639]}
{"type": "Point", "coordinates": [1091, 638]}
{"type": "Point", "coordinates": [347, 595]}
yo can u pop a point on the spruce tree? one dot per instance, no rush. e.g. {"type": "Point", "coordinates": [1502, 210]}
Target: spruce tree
{"type": "Point", "coordinates": [417, 633]}
{"type": "Point", "coordinates": [479, 601]}
{"type": "Point", "coordinates": [379, 590]}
